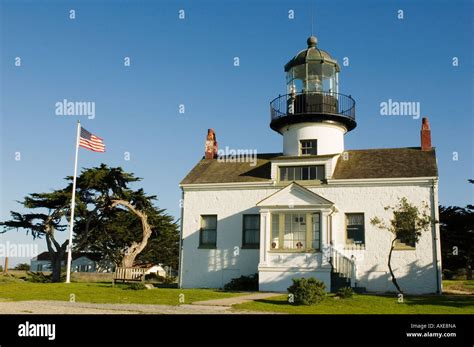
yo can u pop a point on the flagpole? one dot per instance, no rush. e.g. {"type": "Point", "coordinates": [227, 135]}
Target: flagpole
{"type": "Point", "coordinates": [73, 205]}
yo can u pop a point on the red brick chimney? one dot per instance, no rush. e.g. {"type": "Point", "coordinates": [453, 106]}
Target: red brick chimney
{"type": "Point", "coordinates": [425, 135]}
{"type": "Point", "coordinates": [211, 145]}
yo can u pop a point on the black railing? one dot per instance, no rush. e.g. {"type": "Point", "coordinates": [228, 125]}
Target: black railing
{"type": "Point", "coordinates": [317, 103]}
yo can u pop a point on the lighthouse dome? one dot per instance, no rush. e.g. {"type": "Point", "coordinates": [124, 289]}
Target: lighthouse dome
{"type": "Point", "coordinates": [312, 54]}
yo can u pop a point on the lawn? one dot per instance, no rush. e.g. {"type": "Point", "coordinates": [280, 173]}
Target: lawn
{"type": "Point", "coordinates": [368, 304]}
{"type": "Point", "coordinates": [17, 290]}
{"type": "Point", "coordinates": [459, 285]}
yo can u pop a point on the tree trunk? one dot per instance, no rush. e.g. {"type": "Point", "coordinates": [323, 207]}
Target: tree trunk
{"type": "Point", "coordinates": [394, 280]}
{"type": "Point", "coordinates": [56, 256]}
{"type": "Point", "coordinates": [136, 247]}
{"type": "Point", "coordinates": [56, 268]}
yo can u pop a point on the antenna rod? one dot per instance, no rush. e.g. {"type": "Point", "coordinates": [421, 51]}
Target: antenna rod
{"type": "Point", "coordinates": [312, 17]}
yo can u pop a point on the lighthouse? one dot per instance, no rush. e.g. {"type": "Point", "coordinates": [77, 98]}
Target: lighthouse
{"type": "Point", "coordinates": [306, 211]}
{"type": "Point", "coordinates": [312, 116]}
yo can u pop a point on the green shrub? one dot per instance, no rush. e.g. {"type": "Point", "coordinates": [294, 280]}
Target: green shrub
{"type": "Point", "coordinates": [1, 268]}
{"type": "Point", "coordinates": [344, 293]}
{"type": "Point", "coordinates": [169, 279]}
{"type": "Point", "coordinates": [243, 283]}
{"type": "Point", "coordinates": [307, 291]}
{"type": "Point", "coordinates": [135, 286]}
{"type": "Point", "coordinates": [39, 277]}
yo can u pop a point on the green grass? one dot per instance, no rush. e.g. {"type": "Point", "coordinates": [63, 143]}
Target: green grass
{"type": "Point", "coordinates": [17, 290]}
{"type": "Point", "coordinates": [462, 285]}
{"type": "Point", "coordinates": [368, 304]}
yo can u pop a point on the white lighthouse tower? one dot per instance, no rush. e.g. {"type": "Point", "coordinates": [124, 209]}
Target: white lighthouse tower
{"type": "Point", "coordinates": [313, 116]}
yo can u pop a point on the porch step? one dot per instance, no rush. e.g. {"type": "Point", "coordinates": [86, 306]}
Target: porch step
{"type": "Point", "coordinates": [338, 281]}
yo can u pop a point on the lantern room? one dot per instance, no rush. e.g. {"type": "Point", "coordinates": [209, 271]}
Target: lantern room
{"type": "Point", "coordinates": [312, 70]}
{"type": "Point", "coordinates": [312, 110]}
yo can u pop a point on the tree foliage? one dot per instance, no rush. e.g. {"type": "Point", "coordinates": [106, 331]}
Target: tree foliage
{"type": "Point", "coordinates": [122, 224]}
{"type": "Point", "coordinates": [457, 237]}
{"type": "Point", "coordinates": [111, 218]}
{"type": "Point", "coordinates": [50, 210]}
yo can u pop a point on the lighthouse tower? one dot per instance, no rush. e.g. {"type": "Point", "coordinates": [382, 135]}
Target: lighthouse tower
{"type": "Point", "coordinates": [313, 116]}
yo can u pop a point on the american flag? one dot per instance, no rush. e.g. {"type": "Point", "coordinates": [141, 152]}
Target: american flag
{"type": "Point", "coordinates": [90, 141]}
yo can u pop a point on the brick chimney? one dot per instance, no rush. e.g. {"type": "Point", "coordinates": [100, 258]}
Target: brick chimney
{"type": "Point", "coordinates": [425, 135]}
{"type": "Point", "coordinates": [211, 145]}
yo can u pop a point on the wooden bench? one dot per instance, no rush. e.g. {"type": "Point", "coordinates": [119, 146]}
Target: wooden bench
{"type": "Point", "coordinates": [129, 274]}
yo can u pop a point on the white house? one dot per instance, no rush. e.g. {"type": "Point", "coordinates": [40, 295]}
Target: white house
{"type": "Point", "coordinates": [306, 212]}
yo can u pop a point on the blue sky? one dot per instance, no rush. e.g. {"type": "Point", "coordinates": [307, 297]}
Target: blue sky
{"type": "Point", "coordinates": [191, 62]}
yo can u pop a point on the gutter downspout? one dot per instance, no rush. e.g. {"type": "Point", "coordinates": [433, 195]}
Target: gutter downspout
{"type": "Point", "coordinates": [436, 239]}
{"type": "Point", "coordinates": [180, 261]}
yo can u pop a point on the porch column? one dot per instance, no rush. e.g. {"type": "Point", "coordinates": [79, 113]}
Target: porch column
{"type": "Point", "coordinates": [264, 235]}
{"type": "Point", "coordinates": [324, 236]}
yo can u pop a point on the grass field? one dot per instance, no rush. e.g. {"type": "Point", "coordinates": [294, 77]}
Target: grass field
{"type": "Point", "coordinates": [369, 304]}
{"type": "Point", "coordinates": [13, 289]}
{"type": "Point", "coordinates": [459, 285]}
{"type": "Point", "coordinates": [16, 290]}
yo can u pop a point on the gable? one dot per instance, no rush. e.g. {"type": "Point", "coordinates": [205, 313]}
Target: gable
{"type": "Point", "coordinates": [294, 195]}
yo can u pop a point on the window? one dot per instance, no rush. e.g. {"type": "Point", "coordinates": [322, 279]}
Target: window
{"type": "Point", "coordinates": [39, 267]}
{"type": "Point", "coordinates": [316, 230]}
{"type": "Point", "coordinates": [302, 173]}
{"type": "Point", "coordinates": [295, 231]}
{"type": "Point", "coordinates": [275, 239]}
{"type": "Point", "coordinates": [355, 230]}
{"type": "Point", "coordinates": [251, 231]}
{"type": "Point", "coordinates": [294, 236]}
{"type": "Point", "coordinates": [208, 233]}
{"type": "Point", "coordinates": [406, 230]}
{"type": "Point", "coordinates": [308, 147]}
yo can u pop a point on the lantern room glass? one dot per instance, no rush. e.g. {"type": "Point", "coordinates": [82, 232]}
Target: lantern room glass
{"type": "Point", "coordinates": [312, 77]}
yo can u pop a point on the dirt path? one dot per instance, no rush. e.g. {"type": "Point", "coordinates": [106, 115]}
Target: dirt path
{"type": "Point", "coordinates": [65, 307]}
{"type": "Point", "coordinates": [236, 299]}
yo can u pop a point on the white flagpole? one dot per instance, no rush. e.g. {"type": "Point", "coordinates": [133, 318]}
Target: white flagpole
{"type": "Point", "coordinates": [73, 205]}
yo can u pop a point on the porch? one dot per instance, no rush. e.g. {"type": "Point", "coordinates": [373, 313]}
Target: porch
{"type": "Point", "coordinates": [295, 241]}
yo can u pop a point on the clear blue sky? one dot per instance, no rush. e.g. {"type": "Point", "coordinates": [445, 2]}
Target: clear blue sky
{"type": "Point", "coordinates": [190, 62]}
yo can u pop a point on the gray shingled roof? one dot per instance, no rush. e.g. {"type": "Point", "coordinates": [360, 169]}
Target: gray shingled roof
{"type": "Point", "coordinates": [364, 163]}
{"type": "Point", "coordinates": [387, 163]}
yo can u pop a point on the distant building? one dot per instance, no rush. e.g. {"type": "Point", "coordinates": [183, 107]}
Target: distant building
{"type": "Point", "coordinates": [81, 262]}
